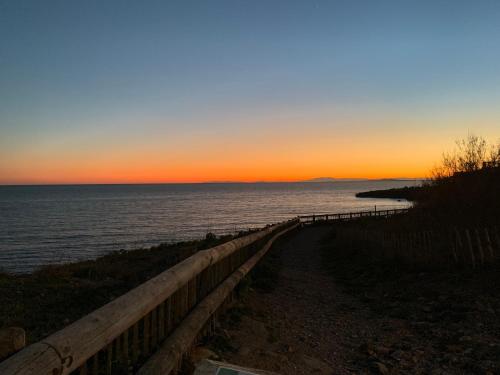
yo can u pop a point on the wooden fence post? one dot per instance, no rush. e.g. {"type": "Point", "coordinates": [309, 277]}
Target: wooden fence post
{"type": "Point", "coordinates": [395, 251]}
{"type": "Point", "coordinates": [495, 233]}
{"type": "Point", "coordinates": [430, 247]}
{"type": "Point", "coordinates": [453, 245]}
{"type": "Point", "coordinates": [479, 245]}
{"type": "Point", "coordinates": [425, 246]}
{"type": "Point", "coordinates": [411, 239]}
{"type": "Point", "coordinates": [460, 245]}
{"type": "Point", "coordinates": [396, 244]}
{"type": "Point", "coordinates": [420, 247]}
{"type": "Point", "coordinates": [488, 244]}
{"type": "Point", "coordinates": [471, 249]}
{"type": "Point", "coordinates": [406, 245]}
{"type": "Point", "coordinates": [400, 244]}
{"type": "Point", "coordinates": [414, 249]}
{"type": "Point", "coordinates": [386, 245]}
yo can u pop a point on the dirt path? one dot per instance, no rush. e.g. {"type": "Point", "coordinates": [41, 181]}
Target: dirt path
{"type": "Point", "coordinates": [330, 311]}
{"type": "Point", "coordinates": [305, 324]}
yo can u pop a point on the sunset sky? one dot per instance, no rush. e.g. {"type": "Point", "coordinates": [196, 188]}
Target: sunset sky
{"type": "Point", "coordinates": [190, 91]}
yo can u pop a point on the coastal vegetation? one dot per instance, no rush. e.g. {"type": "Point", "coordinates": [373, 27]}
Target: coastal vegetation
{"type": "Point", "coordinates": [65, 293]}
{"type": "Point", "coordinates": [461, 192]}
{"type": "Point", "coordinates": [462, 187]}
{"type": "Point", "coordinates": [419, 272]}
{"type": "Point", "coordinates": [409, 193]}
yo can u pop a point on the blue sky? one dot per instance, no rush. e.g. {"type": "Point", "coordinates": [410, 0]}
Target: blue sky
{"type": "Point", "coordinates": [80, 72]}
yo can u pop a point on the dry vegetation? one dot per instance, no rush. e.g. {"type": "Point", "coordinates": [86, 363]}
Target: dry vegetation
{"type": "Point", "coordinates": [462, 191]}
{"type": "Point", "coordinates": [54, 296]}
{"type": "Point", "coordinates": [464, 188]}
{"type": "Point", "coordinates": [448, 310]}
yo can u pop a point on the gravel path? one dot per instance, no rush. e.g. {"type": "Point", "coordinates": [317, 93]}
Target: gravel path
{"type": "Point", "coordinates": [305, 324]}
{"type": "Point", "coordinates": [372, 318]}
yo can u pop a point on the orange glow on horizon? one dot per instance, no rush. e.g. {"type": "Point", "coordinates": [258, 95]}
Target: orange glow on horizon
{"type": "Point", "coordinates": [279, 151]}
{"type": "Point", "coordinates": [267, 167]}
{"type": "Point", "coordinates": [279, 168]}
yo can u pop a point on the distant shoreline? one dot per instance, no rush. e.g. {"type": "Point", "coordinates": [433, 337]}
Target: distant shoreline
{"type": "Point", "coordinates": [409, 193]}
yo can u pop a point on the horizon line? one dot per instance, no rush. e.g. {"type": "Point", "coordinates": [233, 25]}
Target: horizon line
{"type": "Point", "coordinates": [330, 180]}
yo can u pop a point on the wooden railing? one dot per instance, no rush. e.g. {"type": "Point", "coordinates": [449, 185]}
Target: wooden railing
{"type": "Point", "coordinates": [150, 328]}
{"type": "Point", "coordinates": [345, 216]}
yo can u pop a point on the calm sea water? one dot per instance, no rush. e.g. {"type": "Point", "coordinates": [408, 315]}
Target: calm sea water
{"type": "Point", "coordinates": [52, 224]}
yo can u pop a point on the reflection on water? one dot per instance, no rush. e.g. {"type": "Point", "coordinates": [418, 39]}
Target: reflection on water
{"type": "Point", "coordinates": [51, 224]}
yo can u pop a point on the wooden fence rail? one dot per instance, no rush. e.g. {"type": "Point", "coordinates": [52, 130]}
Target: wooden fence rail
{"type": "Point", "coordinates": [470, 247]}
{"type": "Point", "coordinates": [345, 216]}
{"type": "Point", "coordinates": [121, 336]}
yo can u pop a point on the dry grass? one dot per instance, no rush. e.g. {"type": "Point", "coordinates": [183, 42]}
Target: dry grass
{"type": "Point", "coordinates": [54, 296]}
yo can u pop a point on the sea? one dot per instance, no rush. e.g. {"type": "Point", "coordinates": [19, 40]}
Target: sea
{"type": "Point", "coordinates": [41, 225]}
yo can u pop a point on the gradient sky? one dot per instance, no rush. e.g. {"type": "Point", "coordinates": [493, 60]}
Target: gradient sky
{"type": "Point", "coordinates": [164, 91]}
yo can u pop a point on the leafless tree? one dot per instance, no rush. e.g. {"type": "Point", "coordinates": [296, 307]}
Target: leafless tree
{"type": "Point", "coordinates": [470, 154]}
{"type": "Point", "coordinates": [495, 154]}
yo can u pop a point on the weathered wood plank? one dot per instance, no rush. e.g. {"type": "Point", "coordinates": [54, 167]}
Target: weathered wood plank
{"type": "Point", "coordinates": [70, 347]}
{"type": "Point", "coordinates": [166, 358]}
